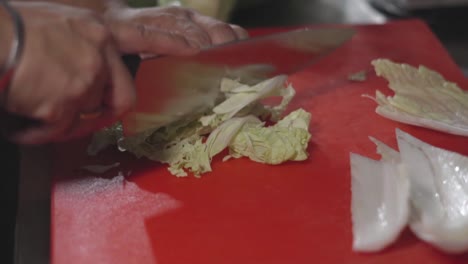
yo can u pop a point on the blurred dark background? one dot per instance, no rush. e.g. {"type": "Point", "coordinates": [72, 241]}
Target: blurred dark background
{"type": "Point", "coordinates": [447, 18]}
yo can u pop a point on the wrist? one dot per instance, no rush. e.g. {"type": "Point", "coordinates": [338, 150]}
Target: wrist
{"type": "Point", "coordinates": [13, 36]}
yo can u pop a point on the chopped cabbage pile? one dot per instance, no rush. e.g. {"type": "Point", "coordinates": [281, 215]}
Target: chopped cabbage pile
{"type": "Point", "coordinates": [422, 98]}
{"type": "Point", "coordinates": [236, 123]}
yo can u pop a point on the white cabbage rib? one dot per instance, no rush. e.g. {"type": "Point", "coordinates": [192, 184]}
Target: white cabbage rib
{"type": "Point", "coordinates": [431, 181]}
{"type": "Point", "coordinates": [379, 203]}
{"type": "Point", "coordinates": [439, 193]}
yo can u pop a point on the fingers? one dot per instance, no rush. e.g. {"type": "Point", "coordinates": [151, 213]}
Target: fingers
{"type": "Point", "coordinates": [219, 32]}
{"type": "Point", "coordinates": [140, 38]}
{"type": "Point", "coordinates": [85, 72]}
{"type": "Point", "coordinates": [114, 101]}
{"type": "Point", "coordinates": [180, 24]}
{"type": "Point", "coordinates": [119, 98]}
{"type": "Point", "coordinates": [171, 31]}
{"type": "Point", "coordinates": [240, 32]}
{"type": "Point", "coordinates": [92, 98]}
{"type": "Point", "coordinates": [54, 116]}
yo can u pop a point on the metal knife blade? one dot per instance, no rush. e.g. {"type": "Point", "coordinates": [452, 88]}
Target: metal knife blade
{"type": "Point", "coordinates": [169, 88]}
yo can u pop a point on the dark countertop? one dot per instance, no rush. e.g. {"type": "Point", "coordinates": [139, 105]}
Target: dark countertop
{"type": "Point", "coordinates": [8, 193]}
{"type": "Point", "coordinates": [32, 224]}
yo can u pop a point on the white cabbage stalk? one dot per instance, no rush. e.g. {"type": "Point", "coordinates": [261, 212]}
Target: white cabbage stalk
{"type": "Point", "coordinates": [387, 153]}
{"type": "Point", "coordinates": [432, 180]}
{"type": "Point", "coordinates": [244, 98]}
{"type": "Point", "coordinates": [244, 95]}
{"type": "Point", "coordinates": [379, 206]}
{"type": "Point", "coordinates": [439, 193]}
{"type": "Point", "coordinates": [223, 135]}
{"type": "Point", "coordinates": [422, 98]}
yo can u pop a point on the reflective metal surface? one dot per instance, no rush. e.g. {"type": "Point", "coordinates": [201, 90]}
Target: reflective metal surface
{"type": "Point", "coordinates": [192, 83]}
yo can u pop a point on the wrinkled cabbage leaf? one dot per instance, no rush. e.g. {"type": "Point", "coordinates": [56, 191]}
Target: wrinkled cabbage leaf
{"type": "Point", "coordinates": [422, 98]}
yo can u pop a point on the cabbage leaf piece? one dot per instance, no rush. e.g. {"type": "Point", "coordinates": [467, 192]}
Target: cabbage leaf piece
{"type": "Point", "coordinates": [287, 140]}
{"type": "Point", "coordinates": [422, 98]}
{"type": "Point", "coordinates": [243, 100]}
{"type": "Point", "coordinates": [248, 137]}
{"type": "Point", "coordinates": [244, 136]}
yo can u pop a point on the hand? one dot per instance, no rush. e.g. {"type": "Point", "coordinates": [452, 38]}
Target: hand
{"type": "Point", "coordinates": [168, 30]}
{"type": "Point", "coordinates": [69, 66]}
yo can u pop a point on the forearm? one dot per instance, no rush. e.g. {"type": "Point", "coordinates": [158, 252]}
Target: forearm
{"type": "Point", "coordinates": [100, 6]}
{"type": "Point", "coordinates": [6, 37]}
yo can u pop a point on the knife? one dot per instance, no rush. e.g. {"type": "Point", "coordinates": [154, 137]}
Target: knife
{"type": "Point", "coordinates": [171, 87]}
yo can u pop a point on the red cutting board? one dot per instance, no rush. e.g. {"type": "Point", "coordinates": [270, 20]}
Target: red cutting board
{"type": "Point", "coordinates": [246, 212]}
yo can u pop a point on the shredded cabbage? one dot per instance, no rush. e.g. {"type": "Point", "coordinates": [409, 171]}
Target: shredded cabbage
{"type": "Point", "coordinates": [248, 136]}
{"type": "Point", "coordinates": [422, 98]}
{"type": "Point", "coordinates": [287, 140]}
{"type": "Point", "coordinates": [235, 123]}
